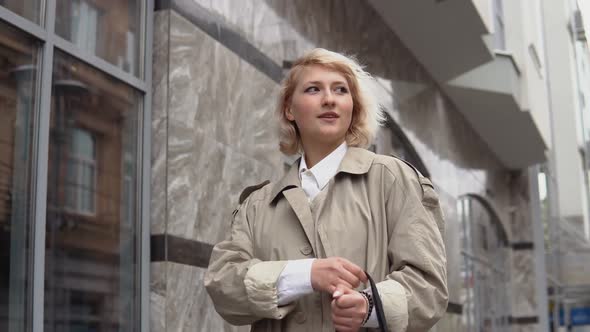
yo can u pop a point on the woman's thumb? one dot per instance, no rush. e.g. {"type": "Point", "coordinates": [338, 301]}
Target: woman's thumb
{"type": "Point", "coordinates": [340, 290]}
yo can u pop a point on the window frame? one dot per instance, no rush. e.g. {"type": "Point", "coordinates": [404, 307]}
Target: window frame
{"type": "Point", "coordinates": [49, 40]}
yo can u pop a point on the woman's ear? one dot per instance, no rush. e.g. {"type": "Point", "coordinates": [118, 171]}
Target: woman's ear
{"type": "Point", "coordinates": [289, 115]}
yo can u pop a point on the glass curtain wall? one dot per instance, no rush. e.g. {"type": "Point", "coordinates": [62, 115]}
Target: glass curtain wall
{"type": "Point", "coordinates": [483, 269]}
{"type": "Point", "coordinates": [18, 98]}
{"type": "Point", "coordinates": [73, 103]}
{"type": "Point", "coordinates": [90, 253]}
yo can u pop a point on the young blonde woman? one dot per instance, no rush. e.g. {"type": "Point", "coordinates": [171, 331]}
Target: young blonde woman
{"type": "Point", "coordinates": [298, 248]}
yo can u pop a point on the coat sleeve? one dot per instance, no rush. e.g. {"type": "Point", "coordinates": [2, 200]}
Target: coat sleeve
{"type": "Point", "coordinates": [242, 287]}
{"type": "Point", "coordinates": [414, 294]}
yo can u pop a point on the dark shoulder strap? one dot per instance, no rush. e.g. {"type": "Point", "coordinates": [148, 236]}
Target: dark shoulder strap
{"type": "Point", "coordinates": [249, 190]}
{"type": "Point", "coordinates": [409, 164]}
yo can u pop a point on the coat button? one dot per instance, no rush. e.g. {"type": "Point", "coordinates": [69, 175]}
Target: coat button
{"type": "Point", "coordinates": [306, 250]}
{"type": "Point", "coordinates": [300, 317]}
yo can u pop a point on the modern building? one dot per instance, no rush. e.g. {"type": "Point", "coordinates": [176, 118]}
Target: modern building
{"type": "Point", "coordinates": [566, 173]}
{"type": "Point", "coordinates": [129, 128]}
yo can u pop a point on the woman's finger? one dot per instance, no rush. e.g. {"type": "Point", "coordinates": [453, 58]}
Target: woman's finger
{"type": "Point", "coordinates": [342, 328]}
{"type": "Point", "coordinates": [342, 321]}
{"type": "Point", "coordinates": [346, 312]}
{"type": "Point", "coordinates": [355, 270]}
{"type": "Point", "coordinates": [351, 300]}
{"type": "Point", "coordinates": [349, 277]}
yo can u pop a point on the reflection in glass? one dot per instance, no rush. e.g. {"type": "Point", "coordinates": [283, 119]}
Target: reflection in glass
{"type": "Point", "coordinates": [483, 270]}
{"type": "Point", "coordinates": [91, 256]}
{"type": "Point", "coordinates": [28, 9]}
{"type": "Point", "coordinates": [109, 29]}
{"type": "Point", "coordinates": [81, 175]}
{"type": "Point", "coordinates": [18, 58]}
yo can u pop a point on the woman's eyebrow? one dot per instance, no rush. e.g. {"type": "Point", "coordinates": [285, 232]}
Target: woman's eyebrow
{"type": "Point", "coordinates": [331, 83]}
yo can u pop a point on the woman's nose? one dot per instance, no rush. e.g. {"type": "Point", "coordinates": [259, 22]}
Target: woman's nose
{"type": "Point", "coordinates": [328, 99]}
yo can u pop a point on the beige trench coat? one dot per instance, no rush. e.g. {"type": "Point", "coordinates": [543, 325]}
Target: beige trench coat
{"type": "Point", "coordinates": [376, 212]}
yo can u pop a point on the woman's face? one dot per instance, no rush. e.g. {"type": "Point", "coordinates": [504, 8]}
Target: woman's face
{"type": "Point", "coordinates": [321, 106]}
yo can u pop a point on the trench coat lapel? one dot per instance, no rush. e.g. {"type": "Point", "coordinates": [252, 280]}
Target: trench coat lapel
{"type": "Point", "coordinates": [290, 187]}
{"type": "Point", "coordinates": [300, 205]}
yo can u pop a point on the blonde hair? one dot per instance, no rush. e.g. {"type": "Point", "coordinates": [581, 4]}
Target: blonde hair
{"type": "Point", "coordinates": [366, 113]}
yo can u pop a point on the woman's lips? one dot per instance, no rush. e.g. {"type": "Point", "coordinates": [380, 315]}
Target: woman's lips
{"type": "Point", "coordinates": [329, 115]}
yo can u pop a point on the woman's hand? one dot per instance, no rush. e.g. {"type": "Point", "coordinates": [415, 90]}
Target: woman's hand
{"type": "Point", "coordinates": [349, 310]}
{"type": "Point", "coordinates": [328, 274]}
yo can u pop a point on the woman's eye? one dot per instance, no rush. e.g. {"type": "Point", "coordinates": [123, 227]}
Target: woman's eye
{"type": "Point", "coordinates": [312, 89]}
{"type": "Point", "coordinates": [341, 89]}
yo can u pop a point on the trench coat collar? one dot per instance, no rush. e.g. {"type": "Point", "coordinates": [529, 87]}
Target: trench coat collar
{"type": "Point", "coordinates": [356, 161]}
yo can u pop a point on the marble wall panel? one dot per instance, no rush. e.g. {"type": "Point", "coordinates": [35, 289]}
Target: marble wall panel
{"type": "Point", "coordinates": [257, 22]}
{"type": "Point", "coordinates": [520, 213]}
{"type": "Point", "coordinates": [217, 93]}
{"type": "Point", "coordinates": [221, 137]}
{"type": "Point", "coordinates": [523, 284]}
{"type": "Point", "coordinates": [159, 123]}
{"type": "Point", "coordinates": [450, 322]}
{"type": "Point", "coordinates": [221, 178]}
{"type": "Point", "coordinates": [189, 307]}
{"type": "Point", "coordinates": [158, 296]}
{"type": "Point", "coordinates": [159, 166]}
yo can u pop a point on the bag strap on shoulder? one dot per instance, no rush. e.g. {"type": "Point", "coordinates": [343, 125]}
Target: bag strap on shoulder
{"type": "Point", "coordinates": [249, 190]}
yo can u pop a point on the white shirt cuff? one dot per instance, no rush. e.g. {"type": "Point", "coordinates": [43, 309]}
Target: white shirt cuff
{"type": "Point", "coordinates": [372, 322]}
{"type": "Point", "coordinates": [294, 281]}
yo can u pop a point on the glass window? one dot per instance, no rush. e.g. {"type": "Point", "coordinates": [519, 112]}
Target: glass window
{"type": "Point", "coordinates": [91, 256]}
{"type": "Point", "coordinates": [85, 22]}
{"type": "Point", "coordinates": [28, 9]}
{"type": "Point", "coordinates": [81, 175]}
{"type": "Point", "coordinates": [482, 269]}
{"type": "Point", "coordinates": [466, 295]}
{"type": "Point", "coordinates": [18, 63]}
{"type": "Point", "coordinates": [499, 33]}
{"type": "Point", "coordinates": [109, 29]}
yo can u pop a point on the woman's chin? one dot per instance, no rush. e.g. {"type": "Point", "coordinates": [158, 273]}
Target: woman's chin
{"type": "Point", "coordinates": [331, 138]}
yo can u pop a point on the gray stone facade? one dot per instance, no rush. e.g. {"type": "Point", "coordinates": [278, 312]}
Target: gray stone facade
{"type": "Point", "coordinates": [216, 72]}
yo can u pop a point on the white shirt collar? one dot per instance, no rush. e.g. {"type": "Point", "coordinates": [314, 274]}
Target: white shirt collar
{"type": "Point", "coordinates": [325, 170]}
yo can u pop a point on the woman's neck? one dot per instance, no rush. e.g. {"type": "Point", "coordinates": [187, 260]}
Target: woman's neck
{"type": "Point", "coordinates": [314, 153]}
